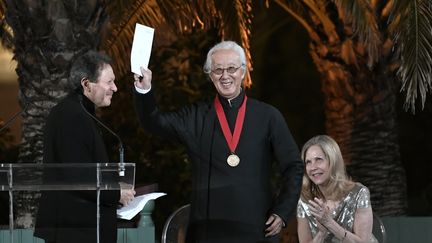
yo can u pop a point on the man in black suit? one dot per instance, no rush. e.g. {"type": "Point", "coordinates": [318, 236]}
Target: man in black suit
{"type": "Point", "coordinates": [72, 136]}
{"type": "Point", "coordinates": [232, 142]}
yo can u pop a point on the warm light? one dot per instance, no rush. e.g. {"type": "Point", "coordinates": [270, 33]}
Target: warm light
{"type": "Point", "coordinates": [7, 66]}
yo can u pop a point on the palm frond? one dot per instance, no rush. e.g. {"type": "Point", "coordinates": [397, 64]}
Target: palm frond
{"type": "Point", "coordinates": [118, 9]}
{"type": "Point", "coordinates": [233, 19]}
{"type": "Point", "coordinates": [2, 9]}
{"type": "Point", "coordinates": [235, 24]}
{"type": "Point", "coordinates": [185, 15]}
{"type": "Point", "coordinates": [414, 40]}
{"type": "Point", "coordinates": [6, 32]}
{"type": "Point", "coordinates": [365, 26]}
{"type": "Point", "coordinates": [398, 6]}
{"type": "Point", "coordinates": [167, 17]}
{"type": "Point", "coordinates": [119, 41]}
{"type": "Point", "coordinates": [297, 13]}
{"type": "Point", "coordinates": [319, 10]}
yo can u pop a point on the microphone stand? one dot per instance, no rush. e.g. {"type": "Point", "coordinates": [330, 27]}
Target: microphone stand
{"type": "Point", "coordinates": [121, 149]}
{"type": "Point", "coordinates": [121, 169]}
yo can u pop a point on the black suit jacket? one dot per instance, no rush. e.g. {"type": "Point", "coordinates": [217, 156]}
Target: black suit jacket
{"type": "Point", "coordinates": [71, 136]}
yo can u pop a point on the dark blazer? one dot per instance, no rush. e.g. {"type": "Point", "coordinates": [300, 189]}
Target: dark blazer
{"type": "Point", "coordinates": [231, 204]}
{"type": "Point", "coordinates": [71, 136]}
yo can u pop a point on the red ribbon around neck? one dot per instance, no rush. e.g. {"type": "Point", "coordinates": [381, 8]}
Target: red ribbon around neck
{"type": "Point", "coordinates": [232, 140]}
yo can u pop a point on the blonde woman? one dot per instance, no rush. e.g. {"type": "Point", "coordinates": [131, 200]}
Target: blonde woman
{"type": "Point", "coordinates": [332, 208]}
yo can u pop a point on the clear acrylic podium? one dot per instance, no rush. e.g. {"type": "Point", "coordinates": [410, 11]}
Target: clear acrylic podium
{"type": "Point", "coordinates": [65, 177]}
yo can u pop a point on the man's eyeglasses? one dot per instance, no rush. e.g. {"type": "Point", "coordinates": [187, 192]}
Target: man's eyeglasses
{"type": "Point", "coordinates": [231, 70]}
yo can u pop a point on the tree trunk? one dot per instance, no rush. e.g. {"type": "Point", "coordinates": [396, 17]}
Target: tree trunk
{"type": "Point", "coordinates": [47, 35]}
{"type": "Point", "coordinates": [360, 109]}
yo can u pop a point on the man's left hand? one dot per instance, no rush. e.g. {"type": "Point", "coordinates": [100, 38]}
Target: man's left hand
{"type": "Point", "coordinates": [274, 225]}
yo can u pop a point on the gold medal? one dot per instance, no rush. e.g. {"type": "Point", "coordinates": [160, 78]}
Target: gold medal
{"type": "Point", "coordinates": [233, 160]}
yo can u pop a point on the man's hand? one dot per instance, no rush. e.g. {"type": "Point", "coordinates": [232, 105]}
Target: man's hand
{"type": "Point", "coordinates": [126, 196]}
{"type": "Point", "coordinates": [143, 81]}
{"type": "Point", "coordinates": [275, 224]}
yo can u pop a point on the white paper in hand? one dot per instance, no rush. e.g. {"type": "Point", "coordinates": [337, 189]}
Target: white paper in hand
{"type": "Point", "coordinates": [141, 47]}
{"type": "Point", "coordinates": [136, 205]}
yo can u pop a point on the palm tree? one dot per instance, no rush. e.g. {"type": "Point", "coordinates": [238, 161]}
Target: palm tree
{"type": "Point", "coordinates": [366, 51]}
{"type": "Point", "coordinates": [46, 36]}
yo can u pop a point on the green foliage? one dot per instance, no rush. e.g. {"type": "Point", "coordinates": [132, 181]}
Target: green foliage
{"type": "Point", "coordinates": [178, 79]}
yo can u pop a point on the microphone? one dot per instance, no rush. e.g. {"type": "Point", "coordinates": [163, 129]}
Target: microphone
{"type": "Point", "coordinates": [121, 149]}
{"type": "Point", "coordinates": [9, 122]}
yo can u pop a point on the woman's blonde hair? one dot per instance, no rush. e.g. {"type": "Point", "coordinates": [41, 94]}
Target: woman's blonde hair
{"type": "Point", "coordinates": [339, 183]}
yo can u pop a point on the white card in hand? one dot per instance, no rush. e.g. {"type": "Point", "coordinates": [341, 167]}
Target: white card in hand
{"type": "Point", "coordinates": [141, 47]}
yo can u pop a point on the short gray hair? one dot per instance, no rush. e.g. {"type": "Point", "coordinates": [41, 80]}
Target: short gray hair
{"type": "Point", "coordinates": [89, 65]}
{"type": "Point", "coordinates": [225, 45]}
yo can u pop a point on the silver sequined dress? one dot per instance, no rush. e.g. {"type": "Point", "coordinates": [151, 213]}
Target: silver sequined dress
{"type": "Point", "coordinates": [343, 214]}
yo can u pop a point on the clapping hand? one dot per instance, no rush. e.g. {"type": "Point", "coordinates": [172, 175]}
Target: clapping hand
{"type": "Point", "coordinates": [320, 211]}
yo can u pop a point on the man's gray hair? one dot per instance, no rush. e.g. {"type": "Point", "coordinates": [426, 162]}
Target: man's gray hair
{"type": "Point", "coordinates": [89, 65]}
{"type": "Point", "coordinates": [225, 45]}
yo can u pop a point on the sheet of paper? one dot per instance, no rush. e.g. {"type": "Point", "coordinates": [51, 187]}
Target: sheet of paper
{"type": "Point", "coordinates": [137, 204]}
{"type": "Point", "coordinates": [141, 47]}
